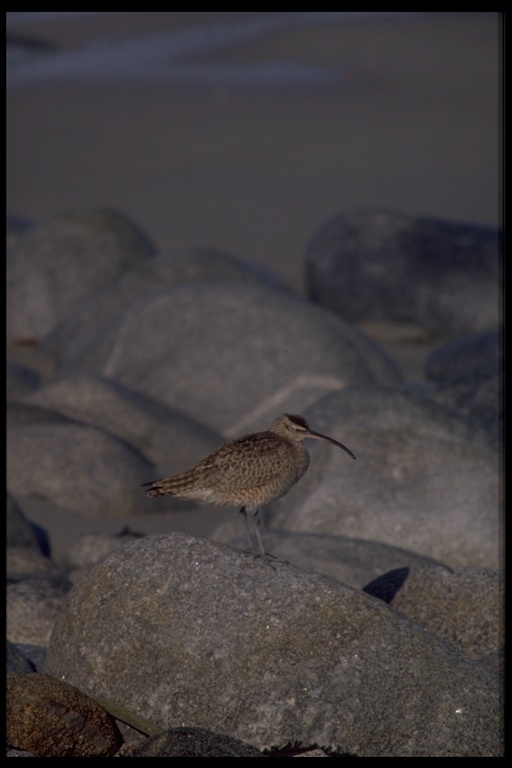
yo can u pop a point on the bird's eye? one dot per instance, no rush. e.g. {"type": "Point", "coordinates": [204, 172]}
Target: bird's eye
{"type": "Point", "coordinates": [296, 424]}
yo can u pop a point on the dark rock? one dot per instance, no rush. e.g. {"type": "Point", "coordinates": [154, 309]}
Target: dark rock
{"type": "Point", "coordinates": [17, 663]}
{"type": "Point", "coordinates": [36, 655]}
{"type": "Point", "coordinates": [193, 742]}
{"type": "Point", "coordinates": [20, 380]}
{"type": "Point", "coordinates": [19, 531]}
{"type": "Point", "coordinates": [383, 266]}
{"type": "Point", "coordinates": [53, 719]}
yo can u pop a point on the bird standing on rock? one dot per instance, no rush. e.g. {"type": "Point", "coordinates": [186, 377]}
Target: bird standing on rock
{"type": "Point", "coordinates": [249, 472]}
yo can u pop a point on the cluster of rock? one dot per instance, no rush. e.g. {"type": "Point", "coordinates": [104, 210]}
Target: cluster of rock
{"type": "Point", "coordinates": [377, 630]}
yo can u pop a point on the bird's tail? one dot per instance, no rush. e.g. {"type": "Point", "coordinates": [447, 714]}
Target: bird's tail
{"type": "Point", "coordinates": [181, 485]}
{"type": "Point", "coordinates": [154, 488]}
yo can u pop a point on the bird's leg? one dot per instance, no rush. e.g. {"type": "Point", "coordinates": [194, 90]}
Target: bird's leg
{"type": "Point", "coordinates": [262, 552]}
{"type": "Point", "coordinates": [258, 535]}
{"type": "Point", "coordinates": [249, 538]}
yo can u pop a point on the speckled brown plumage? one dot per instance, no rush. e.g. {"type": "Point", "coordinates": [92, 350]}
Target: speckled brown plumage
{"type": "Point", "coordinates": [249, 472]}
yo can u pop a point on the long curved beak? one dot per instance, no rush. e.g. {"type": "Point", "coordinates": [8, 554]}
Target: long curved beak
{"type": "Point", "coordinates": [318, 436]}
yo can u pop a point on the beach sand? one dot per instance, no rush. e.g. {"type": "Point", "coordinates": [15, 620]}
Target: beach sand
{"type": "Point", "coordinates": [412, 123]}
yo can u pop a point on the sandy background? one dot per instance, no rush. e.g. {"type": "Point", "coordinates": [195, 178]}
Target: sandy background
{"type": "Point", "coordinates": [247, 131]}
{"type": "Point", "coordinates": [410, 121]}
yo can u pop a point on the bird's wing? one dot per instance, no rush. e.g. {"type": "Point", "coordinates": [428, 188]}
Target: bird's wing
{"type": "Point", "coordinates": [246, 464]}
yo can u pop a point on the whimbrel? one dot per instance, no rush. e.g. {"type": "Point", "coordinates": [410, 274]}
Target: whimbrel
{"type": "Point", "coordinates": [249, 472]}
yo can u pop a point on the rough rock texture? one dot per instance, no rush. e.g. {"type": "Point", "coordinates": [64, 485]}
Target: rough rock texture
{"type": "Point", "coordinates": [353, 561]}
{"type": "Point", "coordinates": [465, 606]}
{"type": "Point", "coordinates": [53, 719]}
{"type": "Point", "coordinates": [171, 629]}
{"type": "Point", "coordinates": [192, 742]}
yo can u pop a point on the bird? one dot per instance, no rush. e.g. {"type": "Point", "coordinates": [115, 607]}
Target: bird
{"type": "Point", "coordinates": [248, 472]}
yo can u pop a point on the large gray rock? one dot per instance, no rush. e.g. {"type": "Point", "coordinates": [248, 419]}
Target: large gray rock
{"type": "Point", "coordinates": [352, 561]}
{"type": "Point", "coordinates": [418, 482]}
{"type": "Point", "coordinates": [77, 467]}
{"type": "Point", "coordinates": [171, 440]}
{"type": "Point", "coordinates": [171, 630]}
{"type": "Point", "coordinates": [52, 267]}
{"type": "Point", "coordinates": [465, 606]}
{"type": "Point", "coordinates": [231, 355]}
{"type": "Point", "coordinates": [379, 265]}
{"type": "Point", "coordinates": [156, 274]}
